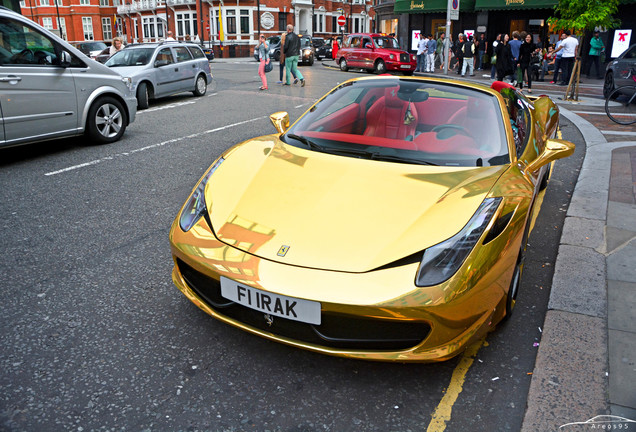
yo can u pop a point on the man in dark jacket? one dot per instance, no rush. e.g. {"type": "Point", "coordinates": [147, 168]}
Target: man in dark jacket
{"type": "Point", "coordinates": [292, 50]}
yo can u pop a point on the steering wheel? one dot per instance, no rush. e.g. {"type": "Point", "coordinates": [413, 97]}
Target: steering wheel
{"type": "Point", "coordinates": [23, 57]}
{"type": "Point", "coordinates": [452, 130]}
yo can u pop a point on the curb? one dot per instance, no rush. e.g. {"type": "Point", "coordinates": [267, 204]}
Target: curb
{"type": "Point", "coordinates": [570, 380]}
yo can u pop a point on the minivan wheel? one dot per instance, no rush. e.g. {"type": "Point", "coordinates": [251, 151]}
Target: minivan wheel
{"type": "Point", "coordinates": [142, 96]}
{"type": "Point", "coordinates": [106, 120]}
{"type": "Point", "coordinates": [200, 87]}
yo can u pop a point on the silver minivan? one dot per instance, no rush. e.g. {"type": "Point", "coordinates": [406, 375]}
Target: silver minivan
{"type": "Point", "coordinates": [49, 90]}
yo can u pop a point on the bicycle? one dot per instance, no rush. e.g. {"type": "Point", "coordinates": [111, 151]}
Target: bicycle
{"type": "Point", "coordinates": [620, 105]}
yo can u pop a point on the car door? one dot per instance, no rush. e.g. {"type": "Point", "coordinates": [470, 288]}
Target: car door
{"type": "Point", "coordinates": [366, 53]}
{"type": "Point", "coordinates": [626, 62]}
{"type": "Point", "coordinates": [166, 73]}
{"type": "Point", "coordinates": [187, 68]}
{"type": "Point", "coordinates": [37, 96]}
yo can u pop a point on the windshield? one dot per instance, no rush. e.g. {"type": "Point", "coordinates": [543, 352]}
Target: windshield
{"type": "Point", "coordinates": [386, 42]}
{"type": "Point", "coordinates": [131, 57]}
{"type": "Point", "coordinates": [405, 121]}
{"type": "Point", "coordinates": [305, 42]}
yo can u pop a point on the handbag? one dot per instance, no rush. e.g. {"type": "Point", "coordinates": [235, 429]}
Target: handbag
{"type": "Point", "coordinates": [269, 67]}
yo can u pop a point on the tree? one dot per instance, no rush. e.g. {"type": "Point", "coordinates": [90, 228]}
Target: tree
{"type": "Point", "coordinates": [581, 15]}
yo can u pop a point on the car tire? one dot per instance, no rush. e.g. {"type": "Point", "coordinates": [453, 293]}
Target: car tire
{"type": "Point", "coordinates": [515, 283]}
{"type": "Point", "coordinates": [106, 121]}
{"type": "Point", "coordinates": [143, 97]}
{"type": "Point", "coordinates": [277, 55]}
{"type": "Point", "coordinates": [608, 85]}
{"type": "Point", "coordinates": [546, 177]}
{"type": "Point", "coordinates": [343, 65]}
{"type": "Point", "coordinates": [200, 86]}
{"type": "Point", "coordinates": [380, 67]}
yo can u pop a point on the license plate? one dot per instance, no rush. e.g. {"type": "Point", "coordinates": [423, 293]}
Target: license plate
{"type": "Point", "coordinates": [306, 311]}
{"type": "Point", "coordinates": [405, 66]}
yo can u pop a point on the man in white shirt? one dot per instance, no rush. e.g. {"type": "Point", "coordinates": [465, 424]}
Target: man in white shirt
{"type": "Point", "coordinates": [422, 48]}
{"type": "Point", "coordinates": [169, 38]}
{"type": "Point", "coordinates": [570, 47]}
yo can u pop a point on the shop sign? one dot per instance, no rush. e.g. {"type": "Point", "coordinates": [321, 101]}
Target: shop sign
{"type": "Point", "coordinates": [621, 42]}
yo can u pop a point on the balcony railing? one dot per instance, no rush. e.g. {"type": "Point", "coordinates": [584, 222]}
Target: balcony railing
{"type": "Point", "coordinates": [141, 5]}
{"type": "Point", "coordinates": [302, 2]}
{"type": "Point", "coordinates": [181, 2]}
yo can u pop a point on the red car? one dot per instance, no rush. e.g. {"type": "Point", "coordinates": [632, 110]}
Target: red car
{"type": "Point", "coordinates": [375, 52]}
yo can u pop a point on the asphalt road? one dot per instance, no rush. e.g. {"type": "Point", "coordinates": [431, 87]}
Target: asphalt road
{"type": "Point", "coordinates": [94, 336]}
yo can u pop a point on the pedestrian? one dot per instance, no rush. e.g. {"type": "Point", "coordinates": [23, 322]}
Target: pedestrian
{"type": "Point", "coordinates": [458, 51]}
{"type": "Point", "coordinates": [481, 50]}
{"type": "Point", "coordinates": [504, 58]}
{"type": "Point", "coordinates": [570, 48]}
{"type": "Point", "coordinates": [334, 50]}
{"type": "Point", "coordinates": [493, 57]}
{"type": "Point", "coordinates": [526, 51]}
{"type": "Point", "coordinates": [430, 55]}
{"type": "Point", "coordinates": [548, 59]}
{"type": "Point", "coordinates": [292, 50]}
{"type": "Point", "coordinates": [468, 51]}
{"type": "Point", "coordinates": [422, 49]}
{"type": "Point", "coordinates": [263, 57]}
{"type": "Point", "coordinates": [118, 45]}
{"type": "Point", "coordinates": [558, 55]}
{"type": "Point", "coordinates": [515, 44]}
{"type": "Point", "coordinates": [596, 48]}
{"type": "Point", "coordinates": [440, 50]}
{"type": "Point", "coordinates": [281, 59]}
{"type": "Point", "coordinates": [170, 37]}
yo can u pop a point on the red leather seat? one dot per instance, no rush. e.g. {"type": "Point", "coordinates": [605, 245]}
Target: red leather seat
{"type": "Point", "coordinates": [391, 117]}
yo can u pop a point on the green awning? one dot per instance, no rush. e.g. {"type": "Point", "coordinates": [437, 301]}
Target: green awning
{"type": "Point", "coordinates": [514, 4]}
{"type": "Point", "coordinates": [430, 6]}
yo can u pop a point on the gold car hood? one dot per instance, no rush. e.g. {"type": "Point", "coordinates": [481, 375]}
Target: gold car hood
{"type": "Point", "coordinates": [311, 209]}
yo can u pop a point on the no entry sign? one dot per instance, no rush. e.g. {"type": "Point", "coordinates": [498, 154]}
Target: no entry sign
{"type": "Point", "coordinates": [342, 20]}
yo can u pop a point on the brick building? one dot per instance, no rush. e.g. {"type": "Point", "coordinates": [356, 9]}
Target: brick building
{"type": "Point", "coordinates": [75, 20]}
{"type": "Point", "coordinates": [149, 20]}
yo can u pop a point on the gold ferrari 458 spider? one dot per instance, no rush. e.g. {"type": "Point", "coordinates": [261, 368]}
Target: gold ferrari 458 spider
{"type": "Point", "coordinates": [388, 223]}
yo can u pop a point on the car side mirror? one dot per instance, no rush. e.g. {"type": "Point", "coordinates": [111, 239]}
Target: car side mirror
{"type": "Point", "coordinates": [280, 120]}
{"type": "Point", "coordinates": [159, 63]}
{"type": "Point", "coordinates": [65, 59]}
{"type": "Point", "coordinates": [554, 149]}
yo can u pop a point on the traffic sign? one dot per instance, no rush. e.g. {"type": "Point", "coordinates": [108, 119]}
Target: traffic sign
{"type": "Point", "coordinates": [342, 20]}
{"type": "Point", "coordinates": [454, 10]}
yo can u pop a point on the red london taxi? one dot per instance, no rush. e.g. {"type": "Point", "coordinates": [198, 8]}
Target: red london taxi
{"type": "Point", "coordinates": [375, 52]}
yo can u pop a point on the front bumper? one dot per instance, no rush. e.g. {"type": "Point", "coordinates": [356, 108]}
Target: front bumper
{"type": "Point", "coordinates": [436, 323]}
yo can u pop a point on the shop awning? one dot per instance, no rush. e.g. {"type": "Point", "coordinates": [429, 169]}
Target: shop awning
{"type": "Point", "coordinates": [514, 4]}
{"type": "Point", "coordinates": [430, 6]}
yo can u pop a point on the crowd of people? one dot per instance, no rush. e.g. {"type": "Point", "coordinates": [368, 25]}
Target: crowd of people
{"type": "Point", "coordinates": [519, 59]}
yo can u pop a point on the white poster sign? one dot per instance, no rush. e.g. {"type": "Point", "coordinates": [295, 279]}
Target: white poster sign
{"type": "Point", "coordinates": [621, 42]}
{"type": "Point", "coordinates": [415, 38]}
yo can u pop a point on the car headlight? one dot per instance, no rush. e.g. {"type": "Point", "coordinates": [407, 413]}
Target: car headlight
{"type": "Point", "coordinates": [128, 82]}
{"type": "Point", "coordinates": [307, 52]}
{"type": "Point", "coordinates": [441, 261]}
{"type": "Point", "coordinates": [391, 57]}
{"type": "Point", "coordinates": [196, 207]}
{"type": "Point", "coordinates": [413, 58]}
{"type": "Point", "coordinates": [272, 51]}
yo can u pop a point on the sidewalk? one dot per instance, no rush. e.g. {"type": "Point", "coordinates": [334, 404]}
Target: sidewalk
{"type": "Point", "coordinates": [586, 363]}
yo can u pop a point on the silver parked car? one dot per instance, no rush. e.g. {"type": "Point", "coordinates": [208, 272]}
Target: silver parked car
{"type": "Point", "coordinates": [49, 89]}
{"type": "Point", "coordinates": [162, 69]}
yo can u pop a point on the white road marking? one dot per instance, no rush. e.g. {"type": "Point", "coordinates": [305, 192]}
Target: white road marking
{"type": "Point", "coordinates": [150, 147]}
{"type": "Point", "coordinates": [618, 133]}
{"type": "Point", "coordinates": [174, 105]}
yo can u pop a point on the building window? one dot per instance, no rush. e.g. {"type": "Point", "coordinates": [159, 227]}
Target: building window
{"type": "Point", "coordinates": [135, 30]}
{"type": "Point", "coordinates": [85, 2]}
{"type": "Point", "coordinates": [334, 24]}
{"type": "Point", "coordinates": [87, 25]}
{"type": "Point", "coordinates": [44, 2]}
{"type": "Point", "coordinates": [47, 23]}
{"type": "Point", "coordinates": [107, 31]}
{"type": "Point", "coordinates": [186, 24]}
{"type": "Point", "coordinates": [245, 21]}
{"type": "Point", "coordinates": [22, 3]}
{"type": "Point", "coordinates": [63, 27]}
{"type": "Point", "coordinates": [282, 21]}
{"type": "Point", "coordinates": [59, 2]}
{"type": "Point", "coordinates": [119, 27]}
{"type": "Point", "coordinates": [230, 16]}
{"type": "Point", "coordinates": [103, 3]}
